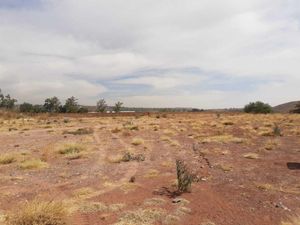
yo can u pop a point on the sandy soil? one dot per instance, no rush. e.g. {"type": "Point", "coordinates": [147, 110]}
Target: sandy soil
{"type": "Point", "coordinates": [246, 174]}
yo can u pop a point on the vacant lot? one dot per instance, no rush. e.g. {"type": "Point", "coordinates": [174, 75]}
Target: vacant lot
{"type": "Point", "coordinates": [121, 170]}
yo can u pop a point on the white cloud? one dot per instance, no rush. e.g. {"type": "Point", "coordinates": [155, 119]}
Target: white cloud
{"type": "Point", "coordinates": [68, 47]}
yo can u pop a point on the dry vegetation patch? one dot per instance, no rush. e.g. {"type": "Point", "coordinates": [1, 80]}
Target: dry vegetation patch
{"type": "Point", "coordinates": [292, 221]}
{"type": "Point", "coordinates": [7, 158]}
{"type": "Point", "coordinates": [92, 207]}
{"type": "Point", "coordinates": [251, 155]}
{"type": "Point", "coordinates": [38, 213]}
{"type": "Point", "coordinates": [141, 217]}
{"type": "Point", "coordinates": [72, 151]}
{"type": "Point", "coordinates": [30, 164]}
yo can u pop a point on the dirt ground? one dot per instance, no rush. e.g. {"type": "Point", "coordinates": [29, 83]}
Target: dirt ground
{"type": "Point", "coordinates": [246, 167]}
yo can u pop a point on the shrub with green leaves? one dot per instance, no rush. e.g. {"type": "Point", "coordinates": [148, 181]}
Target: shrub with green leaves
{"type": "Point", "coordinates": [258, 107]}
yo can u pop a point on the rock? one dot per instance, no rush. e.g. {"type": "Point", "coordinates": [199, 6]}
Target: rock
{"type": "Point", "coordinates": [132, 179]}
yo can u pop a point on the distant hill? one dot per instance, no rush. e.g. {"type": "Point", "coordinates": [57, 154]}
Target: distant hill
{"type": "Point", "coordinates": [286, 107]}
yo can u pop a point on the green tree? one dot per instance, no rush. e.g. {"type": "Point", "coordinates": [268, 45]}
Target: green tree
{"type": "Point", "coordinates": [52, 105]}
{"type": "Point", "coordinates": [118, 106]}
{"type": "Point", "coordinates": [257, 107]}
{"type": "Point", "coordinates": [38, 109]}
{"type": "Point", "coordinates": [6, 101]}
{"type": "Point", "coordinates": [71, 105]}
{"type": "Point", "coordinates": [26, 107]}
{"type": "Point", "coordinates": [101, 106]}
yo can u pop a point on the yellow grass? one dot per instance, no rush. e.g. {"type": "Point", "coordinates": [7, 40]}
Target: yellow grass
{"type": "Point", "coordinates": [251, 156]}
{"type": "Point", "coordinates": [7, 158]}
{"type": "Point", "coordinates": [38, 213]}
{"type": "Point", "coordinates": [137, 141]}
{"type": "Point", "coordinates": [292, 221]}
{"type": "Point", "coordinates": [141, 217]}
{"type": "Point", "coordinates": [33, 164]}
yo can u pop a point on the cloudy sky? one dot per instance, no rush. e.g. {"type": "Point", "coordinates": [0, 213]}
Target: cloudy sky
{"type": "Point", "coordinates": [151, 53]}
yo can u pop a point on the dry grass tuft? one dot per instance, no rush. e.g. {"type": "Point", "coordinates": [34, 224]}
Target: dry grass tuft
{"type": "Point", "coordinates": [33, 164]}
{"type": "Point", "coordinates": [292, 221]}
{"type": "Point", "coordinates": [251, 156]}
{"type": "Point", "coordinates": [115, 158]}
{"type": "Point", "coordinates": [154, 202]}
{"type": "Point", "coordinates": [151, 173]}
{"type": "Point", "coordinates": [92, 207]}
{"type": "Point", "coordinates": [72, 151]}
{"type": "Point", "coordinates": [137, 141]}
{"type": "Point", "coordinates": [171, 220]}
{"type": "Point", "coordinates": [7, 159]}
{"type": "Point", "coordinates": [39, 213]}
{"type": "Point", "coordinates": [83, 192]}
{"type": "Point", "coordinates": [222, 139]}
{"type": "Point", "coordinates": [271, 145]}
{"type": "Point", "coordinates": [141, 217]}
{"type": "Point", "coordinates": [80, 131]}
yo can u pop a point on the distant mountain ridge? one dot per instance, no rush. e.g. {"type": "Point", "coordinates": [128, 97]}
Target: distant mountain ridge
{"type": "Point", "coordinates": [286, 107]}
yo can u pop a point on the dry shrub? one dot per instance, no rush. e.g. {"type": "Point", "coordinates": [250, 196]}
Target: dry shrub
{"type": "Point", "coordinates": [38, 213]}
{"type": "Point", "coordinates": [184, 177]}
{"type": "Point", "coordinates": [131, 157]}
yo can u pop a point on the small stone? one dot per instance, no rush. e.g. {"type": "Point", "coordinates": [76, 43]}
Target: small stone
{"type": "Point", "coordinates": [132, 179]}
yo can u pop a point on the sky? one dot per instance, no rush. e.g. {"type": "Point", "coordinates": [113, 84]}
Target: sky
{"type": "Point", "coordinates": [151, 53]}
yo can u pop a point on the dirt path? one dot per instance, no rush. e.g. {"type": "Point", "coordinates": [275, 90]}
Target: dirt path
{"type": "Point", "coordinates": [131, 170]}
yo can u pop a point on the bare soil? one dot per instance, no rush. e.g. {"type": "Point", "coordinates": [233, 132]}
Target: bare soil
{"type": "Point", "coordinates": [244, 173]}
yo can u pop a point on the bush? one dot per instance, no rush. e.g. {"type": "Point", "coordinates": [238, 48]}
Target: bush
{"type": "Point", "coordinates": [258, 107]}
{"type": "Point", "coordinates": [184, 177]}
{"type": "Point", "coordinates": [26, 107]}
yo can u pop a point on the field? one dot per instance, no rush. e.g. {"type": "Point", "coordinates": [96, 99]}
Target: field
{"type": "Point", "coordinates": [121, 169]}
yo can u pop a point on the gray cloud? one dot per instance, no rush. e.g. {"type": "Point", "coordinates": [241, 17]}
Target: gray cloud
{"type": "Point", "coordinates": [99, 48]}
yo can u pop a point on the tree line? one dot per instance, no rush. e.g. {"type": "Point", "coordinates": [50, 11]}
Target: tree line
{"type": "Point", "coordinates": [54, 105]}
